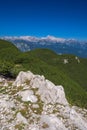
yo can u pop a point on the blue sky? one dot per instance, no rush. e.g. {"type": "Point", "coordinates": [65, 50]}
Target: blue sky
{"type": "Point", "coordinates": [61, 18]}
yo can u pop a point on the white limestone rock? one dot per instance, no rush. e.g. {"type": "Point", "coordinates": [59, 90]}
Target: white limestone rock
{"type": "Point", "coordinates": [28, 95]}
{"type": "Point", "coordinates": [77, 119]}
{"type": "Point", "coordinates": [77, 59]}
{"type": "Point", "coordinates": [22, 78]}
{"type": "Point", "coordinates": [35, 106]}
{"type": "Point", "coordinates": [21, 119]}
{"type": "Point", "coordinates": [46, 109]}
{"type": "Point", "coordinates": [1, 79]}
{"type": "Point", "coordinates": [48, 91]}
{"type": "Point", "coordinates": [51, 122]}
{"type": "Point", "coordinates": [5, 84]}
{"type": "Point", "coordinates": [65, 61]}
{"type": "Point", "coordinates": [4, 102]}
{"type": "Point", "coordinates": [33, 127]}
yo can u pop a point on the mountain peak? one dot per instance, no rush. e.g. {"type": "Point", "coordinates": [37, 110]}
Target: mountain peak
{"type": "Point", "coordinates": [53, 38]}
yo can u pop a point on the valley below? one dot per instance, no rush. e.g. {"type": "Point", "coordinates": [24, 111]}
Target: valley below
{"type": "Point", "coordinates": [42, 90]}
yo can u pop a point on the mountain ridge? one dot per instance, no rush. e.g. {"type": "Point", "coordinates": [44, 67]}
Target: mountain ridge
{"type": "Point", "coordinates": [59, 45]}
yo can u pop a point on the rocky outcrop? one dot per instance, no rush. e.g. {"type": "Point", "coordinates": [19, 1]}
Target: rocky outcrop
{"type": "Point", "coordinates": [32, 102]}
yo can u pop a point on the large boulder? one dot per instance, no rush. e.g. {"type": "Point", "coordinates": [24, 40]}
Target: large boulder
{"type": "Point", "coordinates": [22, 78]}
{"type": "Point", "coordinates": [35, 103]}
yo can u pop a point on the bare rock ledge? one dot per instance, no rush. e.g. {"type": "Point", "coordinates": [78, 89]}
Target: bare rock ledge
{"type": "Point", "coordinates": [32, 102]}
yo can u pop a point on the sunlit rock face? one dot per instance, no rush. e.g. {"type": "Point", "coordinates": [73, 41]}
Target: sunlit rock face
{"type": "Point", "coordinates": [32, 102]}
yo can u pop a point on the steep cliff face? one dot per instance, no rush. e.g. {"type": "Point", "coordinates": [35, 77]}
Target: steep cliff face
{"type": "Point", "coordinates": [32, 102]}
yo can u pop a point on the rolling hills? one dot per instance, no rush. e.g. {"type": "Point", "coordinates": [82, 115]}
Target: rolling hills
{"type": "Point", "coordinates": [67, 70]}
{"type": "Point", "coordinates": [58, 45]}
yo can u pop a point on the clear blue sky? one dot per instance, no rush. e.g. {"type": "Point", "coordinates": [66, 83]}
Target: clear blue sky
{"type": "Point", "coordinates": [61, 18]}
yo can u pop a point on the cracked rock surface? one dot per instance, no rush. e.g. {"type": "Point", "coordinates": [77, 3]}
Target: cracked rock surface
{"type": "Point", "coordinates": [32, 102]}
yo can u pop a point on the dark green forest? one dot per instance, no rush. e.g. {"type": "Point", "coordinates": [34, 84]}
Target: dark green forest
{"type": "Point", "coordinates": [72, 75]}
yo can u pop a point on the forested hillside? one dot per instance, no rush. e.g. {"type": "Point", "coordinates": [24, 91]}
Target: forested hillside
{"type": "Point", "coordinates": [67, 70]}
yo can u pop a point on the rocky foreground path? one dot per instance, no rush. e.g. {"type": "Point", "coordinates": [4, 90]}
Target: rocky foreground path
{"type": "Point", "coordinates": [32, 102]}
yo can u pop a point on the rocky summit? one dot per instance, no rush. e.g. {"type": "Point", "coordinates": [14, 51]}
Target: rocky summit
{"type": "Point", "coordinates": [32, 102]}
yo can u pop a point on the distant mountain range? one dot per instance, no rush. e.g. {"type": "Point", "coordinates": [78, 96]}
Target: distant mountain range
{"type": "Point", "coordinates": [59, 45]}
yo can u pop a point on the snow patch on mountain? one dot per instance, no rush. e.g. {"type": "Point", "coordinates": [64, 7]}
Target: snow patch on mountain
{"type": "Point", "coordinates": [59, 45]}
{"type": "Point", "coordinates": [48, 38]}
